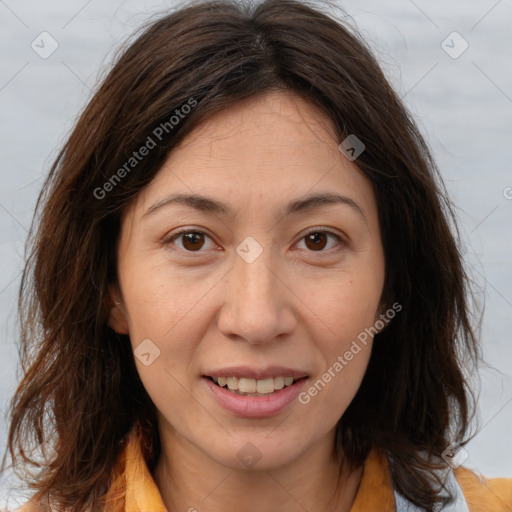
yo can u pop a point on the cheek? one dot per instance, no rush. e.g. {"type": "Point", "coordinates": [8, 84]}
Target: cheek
{"type": "Point", "coordinates": [344, 307]}
{"type": "Point", "coordinates": [346, 311]}
{"type": "Point", "coordinates": [331, 391]}
{"type": "Point", "coordinates": [169, 392]}
{"type": "Point", "coordinates": [159, 299]}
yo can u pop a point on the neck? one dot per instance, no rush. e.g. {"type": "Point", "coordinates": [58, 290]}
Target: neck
{"type": "Point", "coordinates": [189, 480]}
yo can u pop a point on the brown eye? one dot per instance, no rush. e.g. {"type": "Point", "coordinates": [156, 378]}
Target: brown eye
{"type": "Point", "coordinates": [317, 241]}
{"type": "Point", "coordinates": [191, 241]}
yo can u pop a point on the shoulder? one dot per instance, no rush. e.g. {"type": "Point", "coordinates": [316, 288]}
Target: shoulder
{"type": "Point", "coordinates": [485, 494]}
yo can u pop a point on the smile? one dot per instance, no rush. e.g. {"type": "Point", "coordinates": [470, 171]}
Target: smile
{"type": "Point", "coordinates": [254, 398]}
{"type": "Point", "coordinates": [246, 386]}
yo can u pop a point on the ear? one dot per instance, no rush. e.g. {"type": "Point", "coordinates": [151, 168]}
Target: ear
{"type": "Point", "coordinates": [117, 317]}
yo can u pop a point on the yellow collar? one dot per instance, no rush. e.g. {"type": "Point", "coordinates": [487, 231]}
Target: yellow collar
{"type": "Point", "coordinates": [133, 488]}
{"type": "Point", "coordinates": [134, 482]}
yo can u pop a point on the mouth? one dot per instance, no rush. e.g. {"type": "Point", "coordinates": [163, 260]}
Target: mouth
{"type": "Point", "coordinates": [250, 387]}
{"type": "Point", "coordinates": [248, 397]}
{"type": "Point", "coordinates": [250, 392]}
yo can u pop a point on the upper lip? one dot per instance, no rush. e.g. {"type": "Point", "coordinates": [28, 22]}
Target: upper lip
{"type": "Point", "coordinates": [257, 373]}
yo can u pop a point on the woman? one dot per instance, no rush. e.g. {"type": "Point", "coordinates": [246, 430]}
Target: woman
{"type": "Point", "coordinates": [243, 290]}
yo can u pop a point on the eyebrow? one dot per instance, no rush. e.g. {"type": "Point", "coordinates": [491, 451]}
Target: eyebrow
{"type": "Point", "coordinates": [210, 205]}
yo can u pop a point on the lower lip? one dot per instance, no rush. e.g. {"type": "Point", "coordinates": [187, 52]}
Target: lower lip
{"type": "Point", "coordinates": [256, 406]}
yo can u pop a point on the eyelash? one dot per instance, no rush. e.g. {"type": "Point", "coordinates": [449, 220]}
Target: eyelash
{"type": "Point", "coordinates": [169, 240]}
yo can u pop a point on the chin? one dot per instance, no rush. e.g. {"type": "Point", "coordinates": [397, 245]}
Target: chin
{"type": "Point", "coordinates": [256, 452]}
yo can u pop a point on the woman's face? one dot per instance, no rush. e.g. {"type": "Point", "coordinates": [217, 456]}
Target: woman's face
{"type": "Point", "coordinates": [254, 254]}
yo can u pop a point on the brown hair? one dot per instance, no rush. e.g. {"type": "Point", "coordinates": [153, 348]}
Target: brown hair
{"type": "Point", "coordinates": [80, 385]}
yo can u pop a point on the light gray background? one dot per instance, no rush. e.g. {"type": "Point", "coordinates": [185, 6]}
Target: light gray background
{"type": "Point", "coordinates": [463, 106]}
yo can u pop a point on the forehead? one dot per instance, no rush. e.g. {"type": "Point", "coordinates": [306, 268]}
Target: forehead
{"type": "Point", "coordinates": [278, 128]}
{"type": "Point", "coordinates": [258, 152]}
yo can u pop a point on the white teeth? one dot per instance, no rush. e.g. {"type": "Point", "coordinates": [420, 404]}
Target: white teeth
{"type": "Point", "coordinates": [247, 385]}
{"type": "Point", "coordinates": [278, 382]}
{"type": "Point", "coordinates": [232, 382]}
{"type": "Point", "coordinates": [265, 385]}
{"type": "Point", "coordinates": [251, 386]}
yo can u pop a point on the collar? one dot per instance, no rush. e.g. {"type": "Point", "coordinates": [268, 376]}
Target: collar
{"type": "Point", "coordinates": [134, 481]}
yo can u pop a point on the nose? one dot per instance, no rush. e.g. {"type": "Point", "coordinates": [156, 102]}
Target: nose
{"type": "Point", "coordinates": [258, 305]}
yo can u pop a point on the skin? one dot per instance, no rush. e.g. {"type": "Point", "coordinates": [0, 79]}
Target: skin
{"type": "Point", "coordinates": [297, 305]}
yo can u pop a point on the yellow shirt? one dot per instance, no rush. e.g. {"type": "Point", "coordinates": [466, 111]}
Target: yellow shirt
{"type": "Point", "coordinates": [375, 494]}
